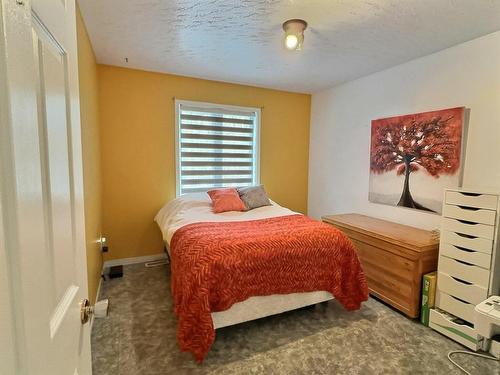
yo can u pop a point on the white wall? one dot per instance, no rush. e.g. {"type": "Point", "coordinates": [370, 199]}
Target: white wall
{"type": "Point", "coordinates": [464, 75]}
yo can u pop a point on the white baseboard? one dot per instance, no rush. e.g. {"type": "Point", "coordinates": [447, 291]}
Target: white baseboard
{"type": "Point", "coordinates": [134, 260]}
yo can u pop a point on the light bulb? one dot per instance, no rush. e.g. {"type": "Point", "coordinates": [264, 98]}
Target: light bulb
{"type": "Point", "coordinates": [291, 41]}
{"type": "Point", "coordinates": [294, 33]}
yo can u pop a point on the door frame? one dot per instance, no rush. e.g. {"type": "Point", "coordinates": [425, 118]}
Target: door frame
{"type": "Point", "coordinates": [12, 329]}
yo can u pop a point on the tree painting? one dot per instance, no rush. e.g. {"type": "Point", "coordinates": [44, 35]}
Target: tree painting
{"type": "Point", "coordinates": [427, 143]}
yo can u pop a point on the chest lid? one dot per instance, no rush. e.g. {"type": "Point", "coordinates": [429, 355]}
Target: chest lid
{"type": "Point", "coordinates": [415, 239]}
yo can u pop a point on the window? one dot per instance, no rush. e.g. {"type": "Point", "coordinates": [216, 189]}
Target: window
{"type": "Point", "coordinates": [217, 146]}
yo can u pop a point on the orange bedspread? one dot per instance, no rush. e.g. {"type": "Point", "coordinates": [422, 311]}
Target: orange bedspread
{"type": "Point", "coordinates": [215, 265]}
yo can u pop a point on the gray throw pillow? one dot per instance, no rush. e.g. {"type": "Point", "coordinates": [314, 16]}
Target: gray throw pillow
{"type": "Point", "coordinates": [254, 196]}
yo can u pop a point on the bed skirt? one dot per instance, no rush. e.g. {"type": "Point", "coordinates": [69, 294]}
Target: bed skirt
{"type": "Point", "coordinates": [262, 306]}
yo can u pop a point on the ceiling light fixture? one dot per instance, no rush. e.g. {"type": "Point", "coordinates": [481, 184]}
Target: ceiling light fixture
{"type": "Point", "coordinates": [294, 33]}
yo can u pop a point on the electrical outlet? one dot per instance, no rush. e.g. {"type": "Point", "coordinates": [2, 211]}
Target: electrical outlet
{"type": "Point", "coordinates": [104, 244]}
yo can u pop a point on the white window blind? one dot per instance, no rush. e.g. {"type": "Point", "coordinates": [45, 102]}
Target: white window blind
{"type": "Point", "coordinates": [217, 146]}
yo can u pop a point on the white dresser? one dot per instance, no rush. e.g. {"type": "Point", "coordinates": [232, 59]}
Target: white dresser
{"type": "Point", "coordinates": [469, 262]}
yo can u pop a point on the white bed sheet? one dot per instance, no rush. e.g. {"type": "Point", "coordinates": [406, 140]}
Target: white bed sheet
{"type": "Point", "coordinates": [197, 208]}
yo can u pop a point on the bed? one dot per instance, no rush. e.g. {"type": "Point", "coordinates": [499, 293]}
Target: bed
{"type": "Point", "coordinates": [189, 228]}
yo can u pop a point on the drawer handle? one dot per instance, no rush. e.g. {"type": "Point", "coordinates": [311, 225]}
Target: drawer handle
{"type": "Point", "coordinates": [466, 236]}
{"type": "Point", "coordinates": [466, 222]}
{"type": "Point", "coordinates": [460, 300]}
{"type": "Point", "coordinates": [470, 194]}
{"type": "Point", "coordinates": [462, 262]}
{"type": "Point", "coordinates": [462, 322]}
{"type": "Point", "coordinates": [468, 208]}
{"type": "Point", "coordinates": [463, 249]}
{"type": "Point", "coordinates": [460, 280]}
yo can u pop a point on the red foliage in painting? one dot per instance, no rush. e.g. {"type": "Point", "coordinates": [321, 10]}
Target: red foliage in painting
{"type": "Point", "coordinates": [431, 141]}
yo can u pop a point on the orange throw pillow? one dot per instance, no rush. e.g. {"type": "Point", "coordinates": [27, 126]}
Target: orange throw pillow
{"type": "Point", "coordinates": [226, 199]}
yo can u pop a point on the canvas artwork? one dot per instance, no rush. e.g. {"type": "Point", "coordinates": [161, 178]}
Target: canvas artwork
{"type": "Point", "coordinates": [414, 157]}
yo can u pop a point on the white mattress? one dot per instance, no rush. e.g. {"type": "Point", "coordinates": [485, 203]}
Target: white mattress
{"type": "Point", "coordinates": [197, 208]}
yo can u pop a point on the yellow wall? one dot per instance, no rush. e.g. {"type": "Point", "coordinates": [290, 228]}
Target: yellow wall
{"type": "Point", "coordinates": [89, 112]}
{"type": "Point", "coordinates": [138, 154]}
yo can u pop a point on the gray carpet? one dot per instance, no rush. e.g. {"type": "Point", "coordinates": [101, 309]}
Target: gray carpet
{"type": "Point", "coordinates": [138, 337]}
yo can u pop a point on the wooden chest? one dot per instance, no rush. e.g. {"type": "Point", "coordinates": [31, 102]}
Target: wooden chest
{"type": "Point", "coordinates": [394, 257]}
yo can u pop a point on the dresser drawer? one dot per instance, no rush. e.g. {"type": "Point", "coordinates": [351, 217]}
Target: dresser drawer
{"type": "Point", "coordinates": [455, 306]}
{"type": "Point", "coordinates": [471, 293]}
{"type": "Point", "coordinates": [470, 228]}
{"type": "Point", "coordinates": [482, 245]}
{"type": "Point", "coordinates": [470, 273]}
{"type": "Point", "coordinates": [451, 326]}
{"type": "Point", "coordinates": [471, 199]}
{"type": "Point", "coordinates": [477, 215]}
{"type": "Point", "coordinates": [470, 256]}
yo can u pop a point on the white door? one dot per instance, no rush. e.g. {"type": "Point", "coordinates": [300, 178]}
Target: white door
{"type": "Point", "coordinates": [42, 246]}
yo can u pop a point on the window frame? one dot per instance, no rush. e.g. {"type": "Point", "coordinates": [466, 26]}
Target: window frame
{"type": "Point", "coordinates": [214, 107]}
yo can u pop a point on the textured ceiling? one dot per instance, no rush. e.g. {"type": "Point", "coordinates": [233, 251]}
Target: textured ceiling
{"type": "Point", "coordinates": [242, 41]}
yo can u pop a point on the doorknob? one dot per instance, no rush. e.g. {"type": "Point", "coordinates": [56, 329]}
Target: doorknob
{"type": "Point", "coordinates": [99, 310]}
